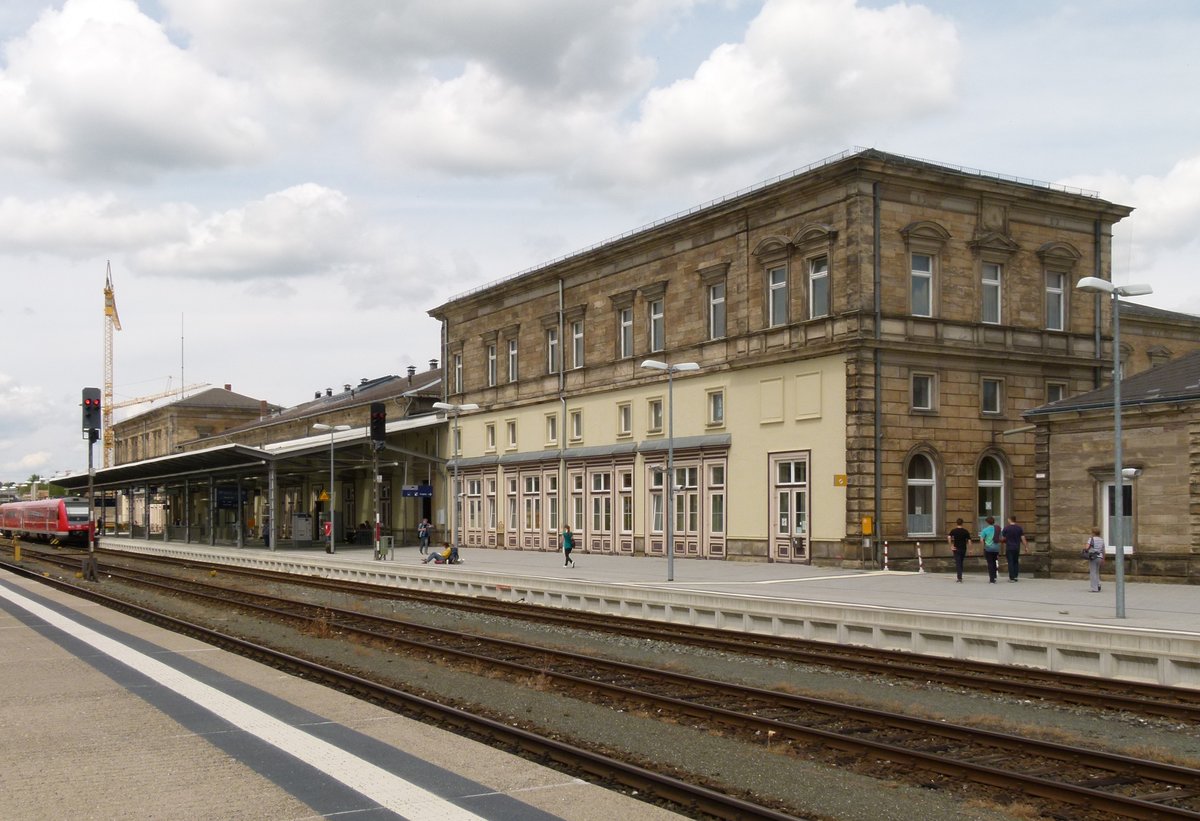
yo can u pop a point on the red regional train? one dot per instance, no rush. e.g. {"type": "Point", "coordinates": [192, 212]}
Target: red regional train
{"type": "Point", "coordinates": [62, 520]}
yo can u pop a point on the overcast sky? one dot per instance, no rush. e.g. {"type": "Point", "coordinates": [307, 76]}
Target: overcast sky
{"type": "Point", "coordinates": [285, 187]}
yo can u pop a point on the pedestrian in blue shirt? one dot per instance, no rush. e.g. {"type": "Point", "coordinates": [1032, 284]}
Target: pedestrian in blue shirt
{"type": "Point", "coordinates": [568, 544]}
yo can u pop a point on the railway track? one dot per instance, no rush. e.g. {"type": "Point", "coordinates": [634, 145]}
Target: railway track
{"type": "Point", "coordinates": [1089, 781]}
{"type": "Point", "coordinates": [1137, 698]}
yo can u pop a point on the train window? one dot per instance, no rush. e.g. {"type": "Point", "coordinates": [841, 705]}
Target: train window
{"type": "Point", "coordinates": [77, 511]}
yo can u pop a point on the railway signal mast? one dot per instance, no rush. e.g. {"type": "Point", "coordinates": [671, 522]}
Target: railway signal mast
{"type": "Point", "coordinates": [92, 411]}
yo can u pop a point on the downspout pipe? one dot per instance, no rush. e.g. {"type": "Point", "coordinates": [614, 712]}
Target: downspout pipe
{"type": "Point", "coordinates": [877, 282]}
{"type": "Point", "coordinates": [1098, 268]}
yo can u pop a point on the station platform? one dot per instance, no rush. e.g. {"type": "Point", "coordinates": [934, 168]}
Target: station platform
{"type": "Point", "coordinates": [105, 716]}
{"type": "Point", "coordinates": [1050, 624]}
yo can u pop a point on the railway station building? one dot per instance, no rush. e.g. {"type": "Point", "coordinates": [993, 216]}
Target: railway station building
{"type": "Point", "coordinates": [868, 334]}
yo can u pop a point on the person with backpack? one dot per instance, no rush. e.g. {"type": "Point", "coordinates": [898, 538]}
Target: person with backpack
{"type": "Point", "coordinates": [991, 547]}
{"type": "Point", "coordinates": [1094, 552]}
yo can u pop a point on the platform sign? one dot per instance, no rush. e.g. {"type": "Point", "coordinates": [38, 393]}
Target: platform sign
{"type": "Point", "coordinates": [421, 491]}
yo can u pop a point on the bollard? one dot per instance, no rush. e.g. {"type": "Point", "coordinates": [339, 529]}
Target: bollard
{"type": "Point", "coordinates": [920, 564]}
{"type": "Point", "coordinates": [885, 556]}
{"type": "Point", "coordinates": [16, 550]}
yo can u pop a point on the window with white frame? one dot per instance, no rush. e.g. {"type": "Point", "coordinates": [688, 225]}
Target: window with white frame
{"type": "Point", "coordinates": [491, 366]}
{"type": "Point", "coordinates": [456, 436]}
{"type": "Point", "coordinates": [489, 435]}
{"type": "Point", "coordinates": [474, 515]}
{"type": "Point", "coordinates": [716, 311]}
{"type": "Point", "coordinates": [1055, 391]}
{"type": "Point", "coordinates": [512, 360]}
{"type": "Point", "coordinates": [657, 485]}
{"type": "Point", "coordinates": [818, 287]}
{"type": "Point", "coordinates": [624, 419]}
{"type": "Point", "coordinates": [531, 505]}
{"type": "Point", "coordinates": [552, 350]}
{"type": "Point", "coordinates": [990, 486]}
{"type": "Point", "coordinates": [602, 502]}
{"type": "Point", "coordinates": [923, 391]}
{"type": "Point", "coordinates": [716, 499]}
{"type": "Point", "coordinates": [625, 489]}
{"type": "Point", "coordinates": [576, 421]}
{"type": "Point", "coordinates": [510, 433]}
{"type": "Point", "coordinates": [991, 395]}
{"type": "Point", "coordinates": [490, 501]}
{"type": "Point", "coordinates": [458, 373]}
{"type": "Point", "coordinates": [577, 344]}
{"type": "Point", "coordinates": [716, 408]}
{"type": "Point", "coordinates": [551, 428]}
{"type": "Point", "coordinates": [921, 495]}
{"type": "Point", "coordinates": [791, 487]}
{"type": "Point", "coordinates": [577, 502]}
{"type": "Point", "coordinates": [990, 293]}
{"type": "Point", "coordinates": [777, 296]}
{"type": "Point", "coordinates": [1055, 300]}
{"type": "Point", "coordinates": [921, 290]}
{"type": "Point", "coordinates": [625, 333]}
{"type": "Point", "coordinates": [658, 331]}
{"type": "Point", "coordinates": [512, 503]}
{"type": "Point", "coordinates": [552, 502]}
{"type": "Point", "coordinates": [654, 415]}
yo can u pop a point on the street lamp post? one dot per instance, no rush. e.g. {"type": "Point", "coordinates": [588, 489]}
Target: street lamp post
{"type": "Point", "coordinates": [669, 513]}
{"type": "Point", "coordinates": [454, 411]}
{"type": "Point", "coordinates": [332, 429]}
{"type": "Point", "coordinates": [1095, 285]}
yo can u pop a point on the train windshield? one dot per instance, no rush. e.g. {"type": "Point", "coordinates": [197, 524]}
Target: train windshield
{"type": "Point", "coordinates": [77, 511]}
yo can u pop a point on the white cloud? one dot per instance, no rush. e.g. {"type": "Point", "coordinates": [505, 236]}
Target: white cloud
{"type": "Point", "coordinates": [98, 90]}
{"type": "Point", "coordinates": [82, 225]}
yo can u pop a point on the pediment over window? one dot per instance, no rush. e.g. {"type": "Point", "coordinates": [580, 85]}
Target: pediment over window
{"type": "Point", "coordinates": [713, 272]}
{"type": "Point", "coordinates": [994, 243]}
{"type": "Point", "coordinates": [925, 233]}
{"type": "Point", "coordinates": [1059, 254]}
{"type": "Point", "coordinates": [575, 313]}
{"type": "Point", "coordinates": [771, 247]}
{"type": "Point", "coordinates": [622, 299]}
{"type": "Point", "coordinates": [814, 233]}
{"type": "Point", "coordinates": [654, 290]}
{"type": "Point", "coordinates": [1159, 354]}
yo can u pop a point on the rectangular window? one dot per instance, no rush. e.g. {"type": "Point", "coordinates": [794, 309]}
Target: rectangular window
{"type": "Point", "coordinates": [576, 417]}
{"type": "Point", "coordinates": [922, 391]}
{"type": "Point", "coordinates": [818, 287]}
{"type": "Point", "coordinates": [624, 419]}
{"type": "Point", "coordinates": [491, 366]}
{"type": "Point", "coordinates": [457, 441]}
{"type": "Point", "coordinates": [921, 295]}
{"type": "Point", "coordinates": [625, 333]}
{"type": "Point", "coordinates": [552, 502]}
{"type": "Point", "coordinates": [552, 350]}
{"type": "Point", "coordinates": [990, 293]}
{"type": "Point", "coordinates": [490, 435]}
{"type": "Point", "coordinates": [512, 360]}
{"type": "Point", "coordinates": [458, 373]}
{"type": "Point", "coordinates": [577, 344]}
{"type": "Point", "coordinates": [992, 390]}
{"type": "Point", "coordinates": [1055, 298]}
{"type": "Point", "coordinates": [777, 297]}
{"type": "Point", "coordinates": [658, 331]}
{"type": "Point", "coordinates": [551, 429]}
{"type": "Point", "coordinates": [654, 421]}
{"type": "Point", "coordinates": [716, 408]}
{"type": "Point", "coordinates": [510, 429]}
{"type": "Point", "coordinates": [716, 311]}
{"type": "Point", "coordinates": [1055, 391]}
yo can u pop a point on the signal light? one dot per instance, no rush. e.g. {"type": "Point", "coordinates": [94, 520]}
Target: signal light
{"type": "Point", "coordinates": [378, 423]}
{"type": "Point", "coordinates": [91, 409]}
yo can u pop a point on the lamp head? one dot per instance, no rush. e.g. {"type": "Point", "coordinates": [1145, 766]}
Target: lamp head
{"type": "Point", "coordinates": [1134, 290]}
{"type": "Point", "coordinates": [1094, 285]}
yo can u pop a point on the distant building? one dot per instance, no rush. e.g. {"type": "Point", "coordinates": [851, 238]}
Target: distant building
{"type": "Point", "coordinates": [163, 430]}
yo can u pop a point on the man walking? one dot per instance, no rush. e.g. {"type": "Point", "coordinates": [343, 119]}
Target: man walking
{"type": "Point", "coordinates": [959, 538]}
{"type": "Point", "coordinates": [1014, 539]}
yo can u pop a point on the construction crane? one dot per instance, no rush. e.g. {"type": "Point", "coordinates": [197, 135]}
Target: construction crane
{"type": "Point", "coordinates": [111, 322]}
{"type": "Point", "coordinates": [137, 400]}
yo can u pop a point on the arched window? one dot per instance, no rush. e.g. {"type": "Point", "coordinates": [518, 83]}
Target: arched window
{"type": "Point", "coordinates": [990, 481]}
{"type": "Point", "coordinates": [921, 496]}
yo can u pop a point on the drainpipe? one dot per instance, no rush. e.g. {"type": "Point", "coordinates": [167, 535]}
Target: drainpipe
{"type": "Point", "coordinates": [1098, 268]}
{"type": "Point", "coordinates": [877, 278]}
{"type": "Point", "coordinates": [562, 410]}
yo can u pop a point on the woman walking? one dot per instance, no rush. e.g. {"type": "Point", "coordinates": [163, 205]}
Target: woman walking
{"type": "Point", "coordinates": [991, 547]}
{"type": "Point", "coordinates": [1095, 557]}
{"type": "Point", "coordinates": [568, 544]}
